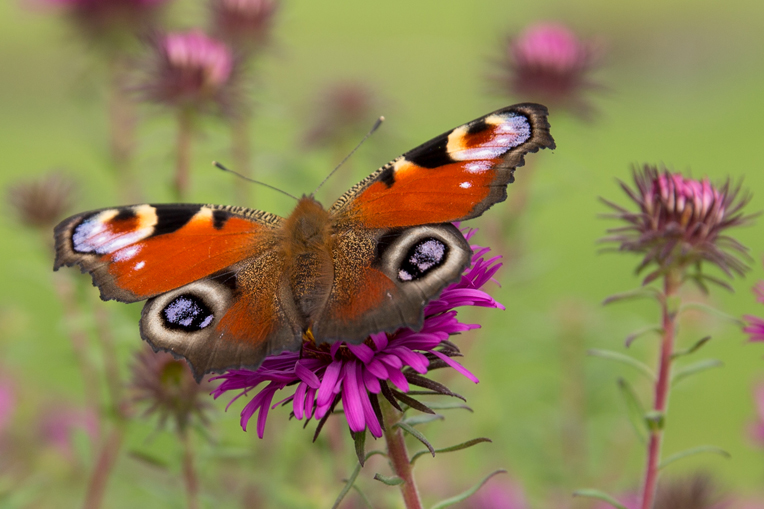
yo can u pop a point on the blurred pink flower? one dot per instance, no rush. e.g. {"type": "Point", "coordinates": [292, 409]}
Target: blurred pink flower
{"type": "Point", "coordinates": [497, 495]}
{"type": "Point", "coordinates": [245, 24]}
{"type": "Point", "coordinates": [756, 429]}
{"type": "Point", "coordinates": [549, 64]}
{"type": "Point", "coordinates": [681, 222]}
{"type": "Point", "coordinates": [108, 21]}
{"type": "Point", "coordinates": [342, 112]}
{"type": "Point", "coordinates": [189, 70]}
{"type": "Point", "coordinates": [59, 423]}
{"type": "Point", "coordinates": [323, 375]}
{"type": "Point", "coordinates": [755, 327]}
{"type": "Point", "coordinates": [7, 402]}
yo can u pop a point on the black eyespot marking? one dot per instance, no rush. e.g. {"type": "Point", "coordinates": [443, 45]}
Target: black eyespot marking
{"type": "Point", "coordinates": [478, 126]}
{"type": "Point", "coordinates": [173, 217]}
{"type": "Point", "coordinates": [187, 313]}
{"type": "Point", "coordinates": [125, 214]}
{"type": "Point", "coordinates": [387, 176]}
{"type": "Point", "coordinates": [219, 218]}
{"type": "Point", "coordinates": [432, 154]}
{"type": "Point", "coordinates": [423, 257]}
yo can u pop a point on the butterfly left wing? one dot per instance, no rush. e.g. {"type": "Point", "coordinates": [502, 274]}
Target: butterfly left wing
{"type": "Point", "coordinates": [140, 251]}
{"type": "Point", "coordinates": [453, 177]}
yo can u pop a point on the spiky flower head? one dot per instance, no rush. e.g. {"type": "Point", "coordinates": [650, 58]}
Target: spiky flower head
{"type": "Point", "coordinates": [548, 63]}
{"type": "Point", "coordinates": [245, 24]}
{"type": "Point", "coordinates": [681, 222]}
{"type": "Point", "coordinates": [168, 387]}
{"type": "Point", "coordinates": [343, 110]}
{"type": "Point", "coordinates": [109, 23]}
{"type": "Point", "coordinates": [41, 202]}
{"type": "Point", "coordinates": [386, 365]}
{"type": "Point", "coordinates": [190, 70]}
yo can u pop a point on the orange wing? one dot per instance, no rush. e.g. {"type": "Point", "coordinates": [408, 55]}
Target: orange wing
{"type": "Point", "coordinates": [138, 252]}
{"type": "Point", "coordinates": [453, 177]}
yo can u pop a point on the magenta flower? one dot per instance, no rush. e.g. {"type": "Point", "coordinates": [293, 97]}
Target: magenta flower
{"type": "Point", "coordinates": [755, 327]}
{"type": "Point", "coordinates": [324, 375]}
{"type": "Point", "coordinates": [498, 495]}
{"type": "Point", "coordinates": [109, 21]}
{"type": "Point", "coordinates": [190, 70]}
{"type": "Point", "coordinates": [7, 402]}
{"type": "Point", "coordinates": [681, 222]}
{"type": "Point", "coordinates": [549, 64]}
{"type": "Point", "coordinates": [245, 24]}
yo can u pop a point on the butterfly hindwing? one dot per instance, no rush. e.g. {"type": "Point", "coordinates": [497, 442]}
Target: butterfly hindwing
{"type": "Point", "coordinates": [453, 177]}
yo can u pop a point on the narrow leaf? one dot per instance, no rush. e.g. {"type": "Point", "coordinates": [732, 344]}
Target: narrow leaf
{"type": "Point", "coordinates": [694, 348]}
{"type": "Point", "coordinates": [416, 434]}
{"type": "Point", "coordinates": [416, 420]}
{"type": "Point", "coordinates": [466, 494]}
{"type": "Point", "coordinates": [634, 409]}
{"type": "Point", "coordinates": [408, 400]}
{"type": "Point", "coordinates": [692, 452]}
{"type": "Point", "coordinates": [363, 496]}
{"type": "Point", "coordinates": [710, 309]}
{"type": "Point", "coordinates": [359, 438]}
{"type": "Point", "coordinates": [599, 495]}
{"type": "Point", "coordinates": [350, 482]}
{"type": "Point", "coordinates": [695, 368]}
{"type": "Point", "coordinates": [625, 359]}
{"type": "Point", "coordinates": [639, 293]}
{"type": "Point", "coordinates": [448, 405]}
{"type": "Point", "coordinates": [457, 447]}
{"type": "Point", "coordinates": [393, 480]}
{"type": "Point", "coordinates": [641, 332]}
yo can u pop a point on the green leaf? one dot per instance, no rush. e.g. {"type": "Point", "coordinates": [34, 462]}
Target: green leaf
{"type": "Point", "coordinates": [655, 420]}
{"type": "Point", "coordinates": [641, 332]}
{"type": "Point", "coordinates": [353, 476]}
{"type": "Point", "coordinates": [359, 440]}
{"type": "Point", "coordinates": [363, 496]}
{"type": "Point", "coordinates": [447, 405]}
{"type": "Point", "coordinates": [393, 480]}
{"type": "Point", "coordinates": [634, 409]}
{"type": "Point", "coordinates": [694, 348]}
{"type": "Point", "coordinates": [599, 495]}
{"type": "Point", "coordinates": [639, 293]}
{"type": "Point", "coordinates": [416, 434]}
{"type": "Point", "coordinates": [625, 359]}
{"type": "Point", "coordinates": [149, 459]}
{"type": "Point", "coordinates": [466, 494]}
{"type": "Point", "coordinates": [695, 368]}
{"type": "Point", "coordinates": [457, 447]}
{"type": "Point", "coordinates": [418, 419]}
{"type": "Point", "coordinates": [692, 452]}
{"type": "Point", "coordinates": [710, 309]}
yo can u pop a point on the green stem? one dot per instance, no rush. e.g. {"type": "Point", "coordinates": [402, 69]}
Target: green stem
{"type": "Point", "coordinates": [190, 478]}
{"type": "Point", "coordinates": [398, 455]}
{"type": "Point", "coordinates": [183, 156]}
{"type": "Point", "coordinates": [671, 284]}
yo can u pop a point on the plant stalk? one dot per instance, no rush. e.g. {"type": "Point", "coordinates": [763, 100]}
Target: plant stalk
{"type": "Point", "coordinates": [103, 468]}
{"type": "Point", "coordinates": [190, 478]}
{"type": "Point", "coordinates": [398, 455]}
{"type": "Point", "coordinates": [183, 155]}
{"type": "Point", "coordinates": [662, 389]}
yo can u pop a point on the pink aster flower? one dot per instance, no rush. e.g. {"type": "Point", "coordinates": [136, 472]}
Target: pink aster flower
{"type": "Point", "coordinates": [386, 364]}
{"type": "Point", "coordinates": [190, 70]}
{"type": "Point", "coordinates": [548, 63]}
{"type": "Point", "coordinates": [245, 24]}
{"type": "Point", "coordinates": [108, 21]}
{"type": "Point", "coordinates": [680, 222]}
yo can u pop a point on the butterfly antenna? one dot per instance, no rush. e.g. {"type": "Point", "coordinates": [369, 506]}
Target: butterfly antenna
{"type": "Point", "coordinates": [220, 166]}
{"type": "Point", "coordinates": [373, 128]}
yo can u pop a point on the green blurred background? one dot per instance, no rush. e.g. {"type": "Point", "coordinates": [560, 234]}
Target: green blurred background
{"type": "Point", "coordinates": [684, 88]}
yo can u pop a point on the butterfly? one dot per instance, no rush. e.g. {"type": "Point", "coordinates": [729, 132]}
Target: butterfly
{"type": "Point", "coordinates": [227, 286]}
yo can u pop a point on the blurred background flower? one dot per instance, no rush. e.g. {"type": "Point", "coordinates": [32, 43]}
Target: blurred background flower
{"type": "Point", "coordinates": [245, 24]}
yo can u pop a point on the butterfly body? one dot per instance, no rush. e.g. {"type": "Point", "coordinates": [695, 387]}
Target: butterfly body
{"type": "Point", "coordinates": [227, 286]}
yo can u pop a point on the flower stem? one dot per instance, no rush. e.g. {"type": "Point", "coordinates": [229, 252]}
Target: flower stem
{"type": "Point", "coordinates": [183, 156]}
{"type": "Point", "coordinates": [107, 458]}
{"type": "Point", "coordinates": [398, 455]}
{"type": "Point", "coordinates": [241, 151]}
{"type": "Point", "coordinates": [662, 388]}
{"type": "Point", "coordinates": [189, 472]}
{"type": "Point", "coordinates": [122, 130]}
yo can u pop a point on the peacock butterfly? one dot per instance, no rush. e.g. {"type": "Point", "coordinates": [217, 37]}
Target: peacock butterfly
{"type": "Point", "coordinates": [228, 286]}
